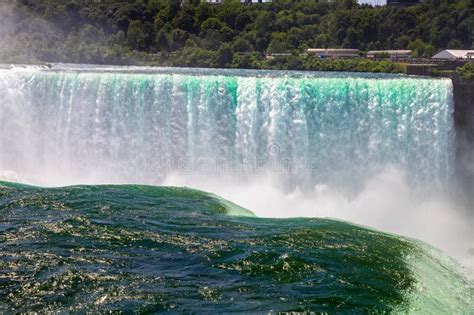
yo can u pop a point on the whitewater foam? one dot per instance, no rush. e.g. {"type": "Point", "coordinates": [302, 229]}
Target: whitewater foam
{"type": "Point", "coordinates": [376, 150]}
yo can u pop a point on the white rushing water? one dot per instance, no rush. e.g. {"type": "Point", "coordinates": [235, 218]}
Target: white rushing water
{"type": "Point", "coordinates": [373, 149]}
{"type": "Point", "coordinates": [82, 127]}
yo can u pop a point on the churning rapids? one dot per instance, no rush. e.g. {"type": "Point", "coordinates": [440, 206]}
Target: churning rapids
{"type": "Point", "coordinates": [376, 150]}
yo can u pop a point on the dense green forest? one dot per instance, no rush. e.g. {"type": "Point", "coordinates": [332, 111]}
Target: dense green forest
{"type": "Point", "coordinates": [199, 34]}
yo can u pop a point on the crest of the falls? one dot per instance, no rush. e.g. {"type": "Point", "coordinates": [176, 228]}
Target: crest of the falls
{"type": "Point", "coordinates": [363, 148]}
{"type": "Point", "coordinates": [63, 126]}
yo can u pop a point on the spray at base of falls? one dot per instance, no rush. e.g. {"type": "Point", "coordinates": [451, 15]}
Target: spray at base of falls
{"type": "Point", "coordinates": [386, 202]}
{"type": "Point", "coordinates": [356, 147]}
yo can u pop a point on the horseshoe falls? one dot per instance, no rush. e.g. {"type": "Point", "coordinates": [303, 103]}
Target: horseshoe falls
{"type": "Point", "coordinates": [69, 127]}
{"type": "Point", "coordinates": [113, 179]}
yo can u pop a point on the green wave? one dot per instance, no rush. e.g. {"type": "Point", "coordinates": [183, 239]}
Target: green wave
{"type": "Point", "coordinates": [152, 249]}
{"type": "Point", "coordinates": [166, 198]}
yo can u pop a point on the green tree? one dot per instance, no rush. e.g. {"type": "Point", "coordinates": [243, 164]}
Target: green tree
{"type": "Point", "coordinates": [138, 35]}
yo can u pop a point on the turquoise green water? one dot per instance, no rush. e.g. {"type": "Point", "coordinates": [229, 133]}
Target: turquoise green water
{"type": "Point", "coordinates": [129, 125]}
{"type": "Point", "coordinates": [150, 249]}
{"type": "Point", "coordinates": [147, 249]}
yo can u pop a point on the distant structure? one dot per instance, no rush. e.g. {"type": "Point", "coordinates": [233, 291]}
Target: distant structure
{"type": "Point", "coordinates": [273, 55]}
{"type": "Point", "coordinates": [333, 53]}
{"type": "Point", "coordinates": [392, 54]}
{"type": "Point", "coordinates": [403, 2]}
{"type": "Point", "coordinates": [243, 1]}
{"type": "Point", "coordinates": [372, 2]}
{"type": "Point", "coordinates": [452, 54]}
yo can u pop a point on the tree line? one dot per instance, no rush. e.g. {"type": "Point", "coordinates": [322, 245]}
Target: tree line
{"type": "Point", "coordinates": [200, 34]}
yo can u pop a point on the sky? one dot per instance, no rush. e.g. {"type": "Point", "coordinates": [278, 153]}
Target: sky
{"type": "Point", "coordinates": [378, 2]}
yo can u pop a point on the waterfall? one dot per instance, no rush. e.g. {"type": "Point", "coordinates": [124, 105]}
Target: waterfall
{"type": "Point", "coordinates": [66, 126]}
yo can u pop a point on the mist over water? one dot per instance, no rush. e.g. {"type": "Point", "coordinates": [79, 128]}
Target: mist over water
{"type": "Point", "coordinates": [375, 150]}
{"type": "Point", "coordinates": [387, 202]}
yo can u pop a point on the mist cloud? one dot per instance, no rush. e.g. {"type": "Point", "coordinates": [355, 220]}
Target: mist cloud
{"type": "Point", "coordinates": [387, 202]}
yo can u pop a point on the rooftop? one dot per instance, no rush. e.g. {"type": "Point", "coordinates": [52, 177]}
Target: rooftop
{"type": "Point", "coordinates": [454, 54]}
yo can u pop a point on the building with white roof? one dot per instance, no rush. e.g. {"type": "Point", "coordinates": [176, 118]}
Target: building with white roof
{"type": "Point", "coordinates": [393, 54]}
{"type": "Point", "coordinates": [453, 54]}
{"type": "Point", "coordinates": [333, 52]}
